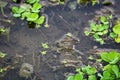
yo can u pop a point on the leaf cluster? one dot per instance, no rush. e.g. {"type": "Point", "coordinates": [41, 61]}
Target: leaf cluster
{"type": "Point", "coordinates": [85, 71]}
{"type": "Point", "coordinates": [110, 71]}
{"type": "Point", "coordinates": [100, 29]}
{"type": "Point", "coordinates": [29, 11]}
{"type": "Point", "coordinates": [116, 32]}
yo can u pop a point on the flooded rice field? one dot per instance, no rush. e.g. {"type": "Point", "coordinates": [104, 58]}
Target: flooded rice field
{"type": "Point", "coordinates": [55, 52]}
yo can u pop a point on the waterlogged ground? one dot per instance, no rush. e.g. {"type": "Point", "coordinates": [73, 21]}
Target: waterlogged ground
{"type": "Point", "coordinates": [23, 44]}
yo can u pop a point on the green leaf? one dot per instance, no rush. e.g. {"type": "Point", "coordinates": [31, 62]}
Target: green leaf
{"type": "Point", "coordinates": [87, 33]}
{"type": "Point", "coordinates": [92, 77]}
{"type": "Point", "coordinates": [70, 78]}
{"type": "Point", "coordinates": [45, 45]}
{"type": "Point", "coordinates": [106, 74]}
{"type": "Point", "coordinates": [2, 55]}
{"type": "Point", "coordinates": [78, 76]}
{"type": "Point", "coordinates": [43, 52]}
{"type": "Point", "coordinates": [86, 68]}
{"type": "Point", "coordinates": [100, 27]}
{"type": "Point", "coordinates": [91, 71]}
{"type": "Point", "coordinates": [36, 7]}
{"type": "Point", "coordinates": [105, 31]}
{"type": "Point", "coordinates": [40, 20]}
{"type": "Point", "coordinates": [93, 26]}
{"type": "Point", "coordinates": [103, 19]}
{"type": "Point", "coordinates": [16, 15]}
{"type": "Point", "coordinates": [111, 57]}
{"type": "Point", "coordinates": [116, 29]}
{"type": "Point", "coordinates": [15, 9]}
{"type": "Point", "coordinates": [25, 14]}
{"type": "Point", "coordinates": [117, 39]}
{"type": "Point", "coordinates": [32, 17]}
{"type": "Point", "coordinates": [115, 69]}
{"type": "Point", "coordinates": [31, 1]}
{"type": "Point", "coordinates": [113, 35]}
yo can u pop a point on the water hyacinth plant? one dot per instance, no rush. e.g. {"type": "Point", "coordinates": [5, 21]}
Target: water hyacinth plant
{"type": "Point", "coordinates": [98, 30]}
{"type": "Point", "coordinates": [30, 11]}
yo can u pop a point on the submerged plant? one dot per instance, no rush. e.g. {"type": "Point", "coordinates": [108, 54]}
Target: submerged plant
{"type": "Point", "coordinates": [30, 11]}
{"type": "Point", "coordinates": [99, 30]}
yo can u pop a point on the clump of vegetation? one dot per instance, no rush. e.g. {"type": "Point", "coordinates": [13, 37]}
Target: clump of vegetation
{"type": "Point", "coordinates": [45, 46]}
{"type": "Point", "coordinates": [98, 30]}
{"type": "Point", "coordinates": [110, 71]}
{"type": "Point", "coordinates": [116, 31]}
{"type": "Point", "coordinates": [30, 11]}
{"type": "Point", "coordinates": [85, 2]}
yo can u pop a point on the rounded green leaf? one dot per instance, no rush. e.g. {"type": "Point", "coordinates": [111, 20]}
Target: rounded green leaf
{"type": "Point", "coordinates": [36, 7]}
{"type": "Point", "coordinates": [111, 57]}
{"type": "Point", "coordinates": [70, 78]}
{"type": "Point", "coordinates": [78, 77]}
{"type": "Point", "coordinates": [117, 39]}
{"type": "Point", "coordinates": [92, 77]}
{"type": "Point", "coordinates": [40, 20]}
{"type": "Point", "coordinates": [32, 17]}
{"type": "Point", "coordinates": [116, 29]}
{"type": "Point", "coordinates": [15, 9]}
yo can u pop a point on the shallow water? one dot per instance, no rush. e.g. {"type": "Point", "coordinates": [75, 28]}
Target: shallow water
{"type": "Point", "coordinates": [26, 42]}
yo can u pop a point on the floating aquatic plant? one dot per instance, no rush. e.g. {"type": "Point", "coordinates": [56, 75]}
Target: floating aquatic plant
{"type": "Point", "coordinates": [110, 71]}
{"type": "Point", "coordinates": [100, 29]}
{"type": "Point", "coordinates": [30, 11]}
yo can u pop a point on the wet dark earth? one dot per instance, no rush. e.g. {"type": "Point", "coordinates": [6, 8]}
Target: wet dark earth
{"type": "Point", "coordinates": [23, 44]}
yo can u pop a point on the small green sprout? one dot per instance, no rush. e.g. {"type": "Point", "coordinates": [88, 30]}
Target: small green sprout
{"type": "Point", "coordinates": [45, 45]}
{"type": "Point", "coordinates": [43, 52]}
{"type": "Point", "coordinates": [90, 58]}
{"type": "Point", "coordinates": [2, 55]}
